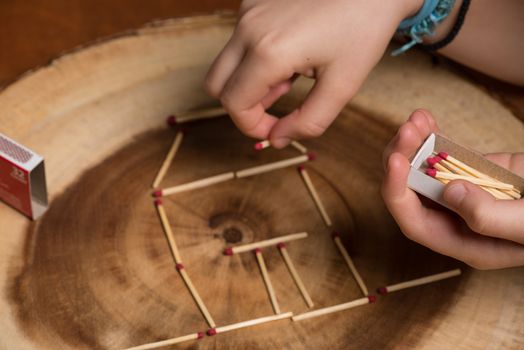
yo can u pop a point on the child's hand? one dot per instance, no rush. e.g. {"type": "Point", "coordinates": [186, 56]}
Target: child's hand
{"type": "Point", "coordinates": [336, 42]}
{"type": "Point", "coordinates": [491, 232]}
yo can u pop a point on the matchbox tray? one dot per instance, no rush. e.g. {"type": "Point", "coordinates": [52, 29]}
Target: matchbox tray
{"type": "Point", "coordinates": [431, 187]}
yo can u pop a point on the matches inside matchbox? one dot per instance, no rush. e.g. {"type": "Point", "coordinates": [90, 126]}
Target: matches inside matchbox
{"type": "Point", "coordinates": [440, 160]}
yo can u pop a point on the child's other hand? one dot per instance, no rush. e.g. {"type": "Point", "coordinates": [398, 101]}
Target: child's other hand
{"type": "Point", "coordinates": [336, 42]}
{"type": "Point", "coordinates": [488, 234]}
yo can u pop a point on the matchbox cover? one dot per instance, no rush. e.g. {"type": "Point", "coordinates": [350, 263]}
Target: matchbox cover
{"type": "Point", "coordinates": [432, 188]}
{"type": "Point", "coordinates": [22, 178]}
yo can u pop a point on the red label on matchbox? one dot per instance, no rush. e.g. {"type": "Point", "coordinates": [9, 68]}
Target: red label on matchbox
{"type": "Point", "coordinates": [22, 178]}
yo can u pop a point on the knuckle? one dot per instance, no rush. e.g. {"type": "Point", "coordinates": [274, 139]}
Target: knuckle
{"type": "Point", "coordinates": [478, 220]}
{"type": "Point", "coordinates": [312, 129]}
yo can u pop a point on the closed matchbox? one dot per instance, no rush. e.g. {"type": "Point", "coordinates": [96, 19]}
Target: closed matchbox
{"type": "Point", "coordinates": [433, 189]}
{"type": "Point", "coordinates": [22, 178]}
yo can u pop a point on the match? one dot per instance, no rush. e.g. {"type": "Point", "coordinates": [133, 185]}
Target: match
{"type": "Point", "coordinates": [265, 243]}
{"type": "Point", "coordinates": [205, 312]}
{"type": "Point", "coordinates": [267, 281]}
{"type": "Point", "coordinates": [350, 264]}
{"type": "Point", "coordinates": [197, 114]}
{"type": "Point", "coordinates": [336, 308]}
{"type": "Point", "coordinates": [167, 342]}
{"type": "Point", "coordinates": [467, 170]}
{"type": "Point", "coordinates": [299, 147]}
{"type": "Point", "coordinates": [274, 166]}
{"type": "Point", "coordinates": [208, 181]}
{"type": "Point", "coordinates": [295, 275]}
{"type": "Point", "coordinates": [295, 144]}
{"type": "Point", "coordinates": [167, 230]}
{"type": "Point", "coordinates": [250, 323]}
{"type": "Point", "coordinates": [436, 162]}
{"type": "Point", "coordinates": [419, 281]}
{"type": "Point", "coordinates": [262, 145]}
{"type": "Point", "coordinates": [169, 159]}
{"type": "Point", "coordinates": [474, 180]}
{"type": "Point", "coordinates": [314, 195]}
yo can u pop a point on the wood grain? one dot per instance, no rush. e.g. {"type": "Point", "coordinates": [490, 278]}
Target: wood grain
{"type": "Point", "coordinates": [96, 272]}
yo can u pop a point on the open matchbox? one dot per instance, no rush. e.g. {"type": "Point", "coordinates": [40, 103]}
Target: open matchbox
{"type": "Point", "coordinates": [433, 189]}
{"type": "Point", "coordinates": [22, 178]}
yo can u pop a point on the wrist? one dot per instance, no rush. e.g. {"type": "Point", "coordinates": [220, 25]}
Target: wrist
{"type": "Point", "coordinates": [443, 29]}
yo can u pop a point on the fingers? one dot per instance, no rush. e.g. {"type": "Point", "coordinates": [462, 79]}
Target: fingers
{"type": "Point", "coordinates": [411, 135]}
{"type": "Point", "coordinates": [439, 230]}
{"type": "Point", "coordinates": [512, 161]}
{"type": "Point", "coordinates": [244, 92]}
{"type": "Point", "coordinates": [322, 105]}
{"type": "Point", "coordinates": [223, 66]}
{"type": "Point", "coordinates": [485, 215]}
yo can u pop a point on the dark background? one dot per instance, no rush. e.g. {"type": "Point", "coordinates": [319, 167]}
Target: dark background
{"type": "Point", "coordinates": [32, 32]}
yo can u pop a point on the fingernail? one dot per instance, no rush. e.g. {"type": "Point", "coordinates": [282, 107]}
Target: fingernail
{"type": "Point", "coordinates": [281, 142]}
{"type": "Point", "coordinates": [454, 194]}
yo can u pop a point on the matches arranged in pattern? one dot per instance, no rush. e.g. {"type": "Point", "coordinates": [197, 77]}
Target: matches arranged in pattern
{"type": "Point", "coordinates": [280, 242]}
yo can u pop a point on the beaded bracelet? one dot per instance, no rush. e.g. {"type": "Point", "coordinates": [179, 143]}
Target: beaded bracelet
{"type": "Point", "coordinates": [423, 23]}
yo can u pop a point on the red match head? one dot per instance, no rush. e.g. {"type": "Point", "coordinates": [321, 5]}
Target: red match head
{"type": "Point", "coordinates": [157, 193]}
{"type": "Point", "coordinates": [158, 202]}
{"type": "Point", "coordinates": [382, 291]}
{"type": "Point", "coordinates": [211, 332]}
{"type": "Point", "coordinates": [259, 146]}
{"type": "Point", "coordinates": [443, 155]}
{"type": "Point", "coordinates": [334, 235]}
{"type": "Point", "coordinates": [433, 160]}
{"type": "Point", "coordinates": [257, 250]}
{"type": "Point", "coordinates": [281, 245]}
{"type": "Point", "coordinates": [228, 251]}
{"type": "Point", "coordinates": [171, 120]}
{"type": "Point", "coordinates": [431, 172]}
{"type": "Point", "coordinates": [311, 156]}
{"type": "Point", "coordinates": [201, 335]}
{"type": "Point", "coordinates": [301, 168]}
{"type": "Point", "coordinates": [179, 266]}
{"type": "Point", "coordinates": [372, 298]}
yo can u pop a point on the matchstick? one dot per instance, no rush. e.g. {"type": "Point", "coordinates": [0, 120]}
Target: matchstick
{"type": "Point", "coordinates": [350, 263]}
{"type": "Point", "coordinates": [331, 309]}
{"type": "Point", "coordinates": [294, 274]}
{"type": "Point", "coordinates": [314, 195]}
{"type": "Point", "coordinates": [267, 281]}
{"type": "Point", "coordinates": [167, 342]}
{"type": "Point", "coordinates": [274, 166]}
{"type": "Point", "coordinates": [167, 230]}
{"type": "Point", "coordinates": [262, 145]}
{"type": "Point", "coordinates": [446, 161]}
{"type": "Point", "coordinates": [205, 312]}
{"type": "Point", "coordinates": [419, 281]}
{"type": "Point", "coordinates": [435, 162]}
{"type": "Point", "coordinates": [474, 180]}
{"type": "Point", "coordinates": [265, 243]}
{"type": "Point", "coordinates": [169, 159]}
{"type": "Point", "coordinates": [295, 144]}
{"type": "Point", "coordinates": [196, 114]}
{"type": "Point", "coordinates": [299, 147]}
{"type": "Point", "coordinates": [249, 323]}
{"type": "Point", "coordinates": [208, 181]}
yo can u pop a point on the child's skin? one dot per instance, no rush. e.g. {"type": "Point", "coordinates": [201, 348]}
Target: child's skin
{"type": "Point", "coordinates": [491, 232]}
{"type": "Point", "coordinates": [337, 43]}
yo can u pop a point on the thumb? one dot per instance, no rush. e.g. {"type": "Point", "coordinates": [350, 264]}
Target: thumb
{"type": "Point", "coordinates": [483, 213]}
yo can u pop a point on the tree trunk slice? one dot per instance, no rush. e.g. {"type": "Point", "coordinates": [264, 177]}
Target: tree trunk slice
{"type": "Point", "coordinates": [96, 271]}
